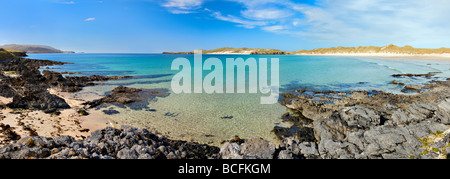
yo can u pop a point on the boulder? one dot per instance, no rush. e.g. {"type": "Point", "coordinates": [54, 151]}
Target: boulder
{"type": "Point", "coordinates": [252, 148]}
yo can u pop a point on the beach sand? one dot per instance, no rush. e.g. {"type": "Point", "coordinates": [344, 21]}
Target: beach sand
{"type": "Point", "coordinates": [69, 122]}
{"type": "Point", "coordinates": [431, 57]}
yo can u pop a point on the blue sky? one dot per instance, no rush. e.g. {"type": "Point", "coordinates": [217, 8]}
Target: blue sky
{"type": "Point", "coordinates": [147, 26]}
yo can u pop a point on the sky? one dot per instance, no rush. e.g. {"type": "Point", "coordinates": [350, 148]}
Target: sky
{"type": "Point", "coordinates": [153, 26]}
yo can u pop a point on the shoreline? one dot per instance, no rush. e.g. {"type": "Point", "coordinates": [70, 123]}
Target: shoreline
{"type": "Point", "coordinates": [444, 57]}
{"type": "Point", "coordinates": [319, 127]}
{"type": "Point", "coordinates": [69, 122]}
{"type": "Point", "coordinates": [435, 57]}
{"type": "Point", "coordinates": [431, 57]}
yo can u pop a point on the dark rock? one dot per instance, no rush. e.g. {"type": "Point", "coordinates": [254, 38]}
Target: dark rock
{"type": "Point", "coordinates": [110, 111]}
{"type": "Point", "coordinates": [416, 75]}
{"type": "Point", "coordinates": [83, 112]}
{"type": "Point", "coordinates": [125, 143]}
{"type": "Point", "coordinates": [124, 95]}
{"type": "Point", "coordinates": [303, 134]}
{"type": "Point", "coordinates": [40, 100]}
{"type": "Point", "coordinates": [7, 91]}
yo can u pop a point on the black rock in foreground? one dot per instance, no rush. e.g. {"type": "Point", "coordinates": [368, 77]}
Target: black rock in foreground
{"type": "Point", "coordinates": [109, 143]}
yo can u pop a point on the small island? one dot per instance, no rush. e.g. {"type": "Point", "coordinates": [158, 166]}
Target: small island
{"type": "Point", "coordinates": [230, 50]}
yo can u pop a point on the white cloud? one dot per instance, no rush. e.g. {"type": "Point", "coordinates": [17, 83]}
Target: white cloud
{"type": "Point", "coordinates": [341, 22]}
{"type": "Point", "coordinates": [266, 14]}
{"type": "Point", "coordinates": [243, 23]}
{"type": "Point", "coordinates": [274, 28]}
{"type": "Point", "coordinates": [414, 22]}
{"type": "Point", "coordinates": [182, 6]}
{"type": "Point", "coordinates": [90, 19]}
{"type": "Point", "coordinates": [69, 2]}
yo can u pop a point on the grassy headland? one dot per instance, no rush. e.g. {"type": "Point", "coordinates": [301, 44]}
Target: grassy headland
{"type": "Point", "coordinates": [389, 49]}
{"type": "Point", "coordinates": [9, 53]}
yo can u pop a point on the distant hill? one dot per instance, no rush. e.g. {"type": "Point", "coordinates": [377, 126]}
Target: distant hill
{"type": "Point", "coordinates": [389, 49]}
{"type": "Point", "coordinates": [229, 50]}
{"type": "Point", "coordinates": [385, 50]}
{"type": "Point", "coordinates": [34, 48]}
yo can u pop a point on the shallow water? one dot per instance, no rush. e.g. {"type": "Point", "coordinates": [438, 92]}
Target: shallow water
{"type": "Point", "coordinates": [212, 118]}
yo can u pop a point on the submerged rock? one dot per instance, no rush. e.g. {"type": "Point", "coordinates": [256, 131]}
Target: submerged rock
{"type": "Point", "coordinates": [124, 95]}
{"type": "Point", "coordinates": [412, 88]}
{"type": "Point", "coordinates": [110, 112]}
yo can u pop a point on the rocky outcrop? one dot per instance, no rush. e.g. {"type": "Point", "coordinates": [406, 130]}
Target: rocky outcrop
{"type": "Point", "coordinates": [7, 91]}
{"type": "Point", "coordinates": [109, 143]}
{"type": "Point", "coordinates": [74, 83]}
{"type": "Point", "coordinates": [38, 100]}
{"type": "Point", "coordinates": [124, 95]}
{"type": "Point", "coordinates": [371, 125]}
{"type": "Point", "coordinates": [29, 88]}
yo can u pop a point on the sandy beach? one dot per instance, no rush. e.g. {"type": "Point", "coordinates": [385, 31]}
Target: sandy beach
{"type": "Point", "coordinates": [433, 57]}
{"type": "Point", "coordinates": [69, 122]}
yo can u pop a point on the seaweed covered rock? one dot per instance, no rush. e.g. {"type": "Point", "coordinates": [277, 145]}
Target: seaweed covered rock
{"type": "Point", "coordinates": [124, 95]}
{"type": "Point", "coordinates": [40, 100]}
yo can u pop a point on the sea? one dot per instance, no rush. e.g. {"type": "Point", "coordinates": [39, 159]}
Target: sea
{"type": "Point", "coordinates": [213, 118]}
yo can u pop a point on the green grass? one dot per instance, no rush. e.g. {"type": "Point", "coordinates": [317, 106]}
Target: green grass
{"type": "Point", "coordinates": [427, 141]}
{"type": "Point", "coordinates": [9, 53]}
{"type": "Point", "coordinates": [9, 72]}
{"type": "Point", "coordinates": [366, 49]}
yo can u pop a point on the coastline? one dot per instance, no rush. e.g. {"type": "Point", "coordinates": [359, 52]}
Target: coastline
{"type": "Point", "coordinates": [435, 57]}
{"type": "Point", "coordinates": [335, 126]}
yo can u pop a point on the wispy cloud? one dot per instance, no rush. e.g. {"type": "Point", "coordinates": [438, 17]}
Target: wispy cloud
{"type": "Point", "coordinates": [90, 19]}
{"type": "Point", "coordinates": [182, 6]}
{"type": "Point", "coordinates": [242, 23]}
{"type": "Point", "coordinates": [68, 2]}
{"type": "Point", "coordinates": [274, 28]}
{"type": "Point", "coordinates": [269, 15]}
{"type": "Point", "coordinates": [415, 22]}
{"type": "Point", "coordinates": [266, 14]}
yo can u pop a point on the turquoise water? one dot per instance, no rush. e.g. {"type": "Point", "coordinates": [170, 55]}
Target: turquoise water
{"type": "Point", "coordinates": [212, 118]}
